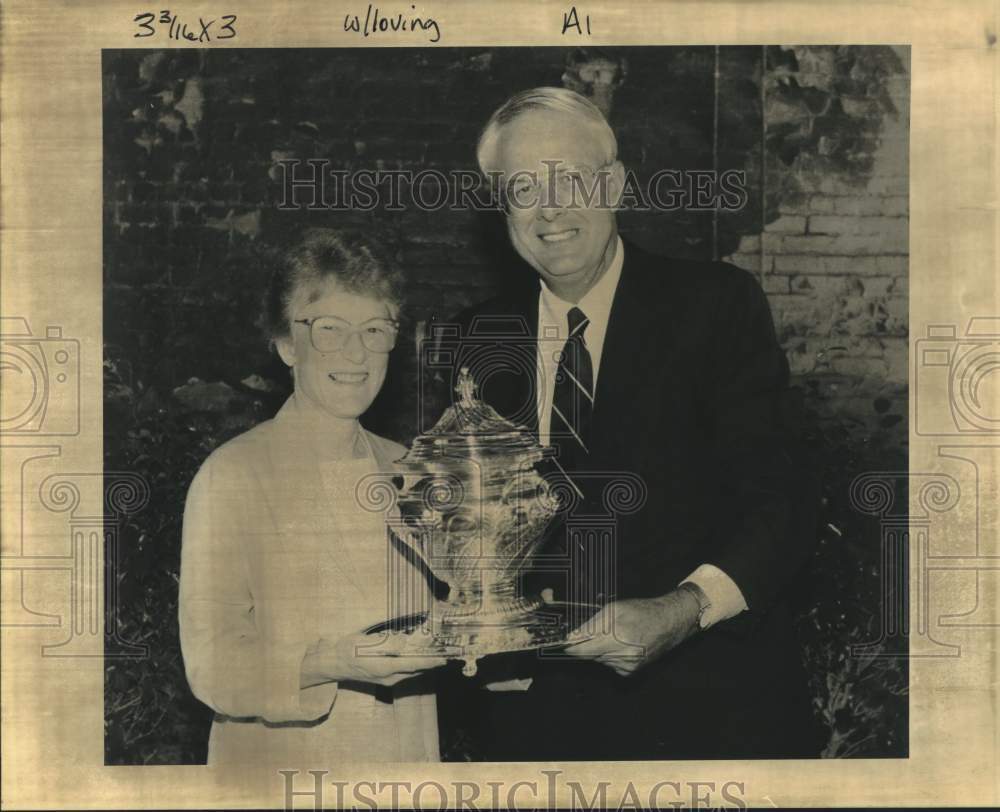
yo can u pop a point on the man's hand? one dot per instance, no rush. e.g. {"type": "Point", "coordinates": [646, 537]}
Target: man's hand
{"type": "Point", "coordinates": [633, 632]}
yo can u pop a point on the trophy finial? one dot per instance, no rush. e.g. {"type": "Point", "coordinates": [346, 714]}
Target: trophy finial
{"type": "Point", "coordinates": [466, 386]}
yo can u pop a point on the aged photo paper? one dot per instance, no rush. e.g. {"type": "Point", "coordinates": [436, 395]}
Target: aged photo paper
{"type": "Point", "coordinates": [436, 404]}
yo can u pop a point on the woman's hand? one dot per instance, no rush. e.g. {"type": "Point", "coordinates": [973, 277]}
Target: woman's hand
{"type": "Point", "coordinates": [355, 658]}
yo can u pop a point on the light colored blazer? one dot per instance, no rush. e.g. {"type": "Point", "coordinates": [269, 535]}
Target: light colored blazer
{"type": "Point", "coordinates": [276, 555]}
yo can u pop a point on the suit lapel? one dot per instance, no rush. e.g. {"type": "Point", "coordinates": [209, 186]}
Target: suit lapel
{"type": "Point", "coordinates": [626, 381]}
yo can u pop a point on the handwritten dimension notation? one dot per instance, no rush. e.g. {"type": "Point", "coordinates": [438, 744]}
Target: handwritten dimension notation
{"type": "Point", "coordinates": [171, 26]}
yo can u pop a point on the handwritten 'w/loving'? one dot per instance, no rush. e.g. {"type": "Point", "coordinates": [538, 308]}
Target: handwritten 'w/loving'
{"type": "Point", "coordinates": [374, 23]}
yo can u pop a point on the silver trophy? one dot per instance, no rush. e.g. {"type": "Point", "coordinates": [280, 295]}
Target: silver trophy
{"type": "Point", "coordinates": [475, 508]}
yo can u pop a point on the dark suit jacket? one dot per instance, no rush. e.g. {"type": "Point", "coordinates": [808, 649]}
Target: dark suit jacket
{"type": "Point", "coordinates": [692, 396]}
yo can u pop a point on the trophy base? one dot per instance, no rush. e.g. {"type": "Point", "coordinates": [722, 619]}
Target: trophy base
{"type": "Point", "coordinates": [471, 637]}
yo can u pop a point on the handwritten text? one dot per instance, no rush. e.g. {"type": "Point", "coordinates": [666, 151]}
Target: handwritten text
{"type": "Point", "coordinates": [169, 24]}
{"type": "Point", "coordinates": [376, 22]}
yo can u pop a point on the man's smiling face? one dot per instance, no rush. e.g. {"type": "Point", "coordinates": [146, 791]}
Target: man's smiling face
{"type": "Point", "coordinates": [569, 245]}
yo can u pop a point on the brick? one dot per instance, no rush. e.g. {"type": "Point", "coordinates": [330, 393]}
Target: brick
{"type": "Point", "coordinates": [439, 236]}
{"type": "Point", "coordinates": [878, 285]}
{"type": "Point", "coordinates": [429, 278]}
{"type": "Point", "coordinates": [833, 185]}
{"type": "Point", "coordinates": [774, 283]}
{"type": "Point", "coordinates": [805, 264]}
{"type": "Point", "coordinates": [894, 206]}
{"type": "Point", "coordinates": [799, 205]}
{"type": "Point", "coordinates": [427, 255]}
{"type": "Point", "coordinates": [857, 244]}
{"type": "Point", "coordinates": [808, 244]}
{"type": "Point", "coordinates": [889, 185]}
{"type": "Point", "coordinates": [893, 265]}
{"type": "Point", "coordinates": [787, 224]}
{"type": "Point", "coordinates": [820, 204]}
{"type": "Point", "coordinates": [817, 285]}
{"type": "Point", "coordinates": [140, 272]}
{"type": "Point", "coordinates": [888, 227]}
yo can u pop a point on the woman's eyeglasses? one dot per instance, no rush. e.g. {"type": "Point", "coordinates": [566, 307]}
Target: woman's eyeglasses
{"type": "Point", "coordinates": [329, 333]}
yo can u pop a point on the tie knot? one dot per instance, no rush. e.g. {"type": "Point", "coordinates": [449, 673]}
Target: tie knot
{"type": "Point", "coordinates": [577, 321]}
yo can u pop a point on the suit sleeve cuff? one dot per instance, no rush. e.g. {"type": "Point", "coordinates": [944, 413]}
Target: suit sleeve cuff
{"type": "Point", "coordinates": [510, 684]}
{"type": "Point", "coordinates": [723, 594]}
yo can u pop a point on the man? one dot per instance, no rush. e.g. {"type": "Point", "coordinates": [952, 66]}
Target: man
{"type": "Point", "coordinates": [667, 370]}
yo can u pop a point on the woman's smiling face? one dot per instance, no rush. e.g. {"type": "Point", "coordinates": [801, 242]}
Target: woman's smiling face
{"type": "Point", "coordinates": [344, 382]}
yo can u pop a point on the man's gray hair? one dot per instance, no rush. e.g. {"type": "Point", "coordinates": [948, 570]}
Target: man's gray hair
{"type": "Point", "coordinates": [553, 99]}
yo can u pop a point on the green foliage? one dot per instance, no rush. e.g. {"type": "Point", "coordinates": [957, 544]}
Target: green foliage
{"type": "Point", "coordinates": [151, 716]}
{"type": "Point", "coordinates": [863, 701]}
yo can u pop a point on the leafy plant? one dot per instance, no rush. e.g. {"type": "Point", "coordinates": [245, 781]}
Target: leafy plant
{"type": "Point", "coordinates": [151, 717]}
{"type": "Point", "coordinates": [862, 700]}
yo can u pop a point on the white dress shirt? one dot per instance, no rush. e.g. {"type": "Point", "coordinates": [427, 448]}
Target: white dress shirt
{"type": "Point", "coordinates": [724, 596]}
{"type": "Point", "coordinates": [553, 329]}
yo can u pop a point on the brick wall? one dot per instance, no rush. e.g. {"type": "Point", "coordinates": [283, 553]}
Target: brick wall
{"type": "Point", "coordinates": [834, 260]}
{"type": "Point", "coordinates": [192, 182]}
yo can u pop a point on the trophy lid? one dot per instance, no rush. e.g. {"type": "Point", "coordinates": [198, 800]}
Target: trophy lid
{"type": "Point", "coordinates": [471, 428]}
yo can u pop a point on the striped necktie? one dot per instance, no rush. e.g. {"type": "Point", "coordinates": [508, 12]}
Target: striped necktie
{"type": "Point", "coordinates": [573, 397]}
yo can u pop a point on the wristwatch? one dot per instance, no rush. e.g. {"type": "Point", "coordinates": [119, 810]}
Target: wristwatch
{"type": "Point", "coordinates": [704, 604]}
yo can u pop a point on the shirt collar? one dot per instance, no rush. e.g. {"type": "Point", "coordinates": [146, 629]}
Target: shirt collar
{"type": "Point", "coordinates": [596, 303]}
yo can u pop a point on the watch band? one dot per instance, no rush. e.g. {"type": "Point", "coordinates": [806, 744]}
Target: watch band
{"type": "Point", "coordinates": [704, 604]}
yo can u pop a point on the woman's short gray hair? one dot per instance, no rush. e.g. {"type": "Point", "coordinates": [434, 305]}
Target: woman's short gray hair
{"type": "Point", "coordinates": [352, 259]}
{"type": "Point", "coordinates": [553, 99]}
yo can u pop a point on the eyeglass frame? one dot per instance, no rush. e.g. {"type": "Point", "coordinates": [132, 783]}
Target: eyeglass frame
{"type": "Point", "coordinates": [355, 329]}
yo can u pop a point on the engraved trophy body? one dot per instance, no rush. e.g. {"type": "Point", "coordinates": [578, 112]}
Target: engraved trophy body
{"type": "Point", "coordinates": [473, 505]}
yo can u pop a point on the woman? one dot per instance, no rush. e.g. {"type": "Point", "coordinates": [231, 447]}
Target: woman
{"type": "Point", "coordinates": [281, 568]}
